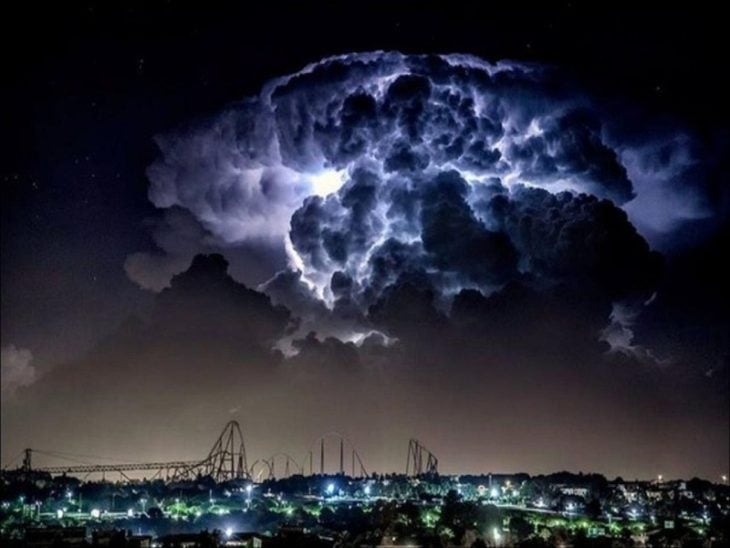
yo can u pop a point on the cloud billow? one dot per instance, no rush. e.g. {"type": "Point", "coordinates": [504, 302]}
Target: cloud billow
{"type": "Point", "coordinates": [375, 169]}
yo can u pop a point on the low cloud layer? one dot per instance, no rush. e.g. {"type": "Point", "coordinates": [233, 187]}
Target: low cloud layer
{"type": "Point", "coordinates": [512, 381]}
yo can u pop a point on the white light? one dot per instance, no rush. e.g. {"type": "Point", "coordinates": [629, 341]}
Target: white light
{"type": "Point", "coordinates": [130, 513]}
{"type": "Point", "coordinates": [327, 181]}
{"type": "Point", "coordinates": [497, 536]}
{"type": "Point", "coordinates": [59, 514]}
{"type": "Point", "coordinates": [367, 490]}
{"type": "Point", "coordinates": [249, 488]}
{"type": "Point", "coordinates": [96, 513]}
{"type": "Point", "coordinates": [330, 488]}
{"type": "Point", "coordinates": [494, 493]}
{"type": "Point", "coordinates": [229, 532]}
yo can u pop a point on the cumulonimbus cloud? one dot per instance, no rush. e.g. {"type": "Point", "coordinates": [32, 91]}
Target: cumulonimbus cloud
{"type": "Point", "coordinates": [368, 168]}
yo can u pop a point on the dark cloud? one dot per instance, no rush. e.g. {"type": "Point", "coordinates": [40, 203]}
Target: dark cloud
{"type": "Point", "coordinates": [577, 239]}
{"type": "Point", "coordinates": [456, 240]}
{"type": "Point", "coordinates": [571, 148]}
{"type": "Point", "coordinates": [492, 376]}
{"type": "Point", "coordinates": [177, 237]}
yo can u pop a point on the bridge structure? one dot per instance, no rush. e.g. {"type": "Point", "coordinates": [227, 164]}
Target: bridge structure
{"type": "Point", "coordinates": [421, 461]}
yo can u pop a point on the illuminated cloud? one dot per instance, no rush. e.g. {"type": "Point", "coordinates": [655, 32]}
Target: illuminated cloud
{"type": "Point", "coordinates": [370, 169]}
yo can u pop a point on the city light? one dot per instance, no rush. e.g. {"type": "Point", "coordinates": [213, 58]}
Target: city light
{"type": "Point", "coordinates": [494, 493]}
{"type": "Point", "coordinates": [641, 511]}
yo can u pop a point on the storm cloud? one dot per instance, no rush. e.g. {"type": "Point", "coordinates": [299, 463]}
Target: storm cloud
{"type": "Point", "coordinates": [366, 170]}
{"type": "Point", "coordinates": [429, 230]}
{"type": "Point", "coordinates": [344, 164]}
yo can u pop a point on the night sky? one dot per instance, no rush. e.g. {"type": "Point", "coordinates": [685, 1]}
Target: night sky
{"type": "Point", "coordinates": [502, 232]}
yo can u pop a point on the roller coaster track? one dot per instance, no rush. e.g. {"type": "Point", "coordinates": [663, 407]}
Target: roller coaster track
{"type": "Point", "coordinates": [226, 461]}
